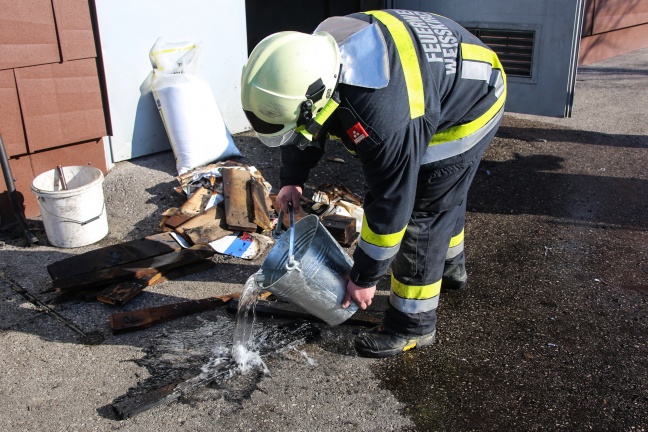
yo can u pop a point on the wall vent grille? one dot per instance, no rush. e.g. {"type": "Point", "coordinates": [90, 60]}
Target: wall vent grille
{"type": "Point", "coordinates": [514, 48]}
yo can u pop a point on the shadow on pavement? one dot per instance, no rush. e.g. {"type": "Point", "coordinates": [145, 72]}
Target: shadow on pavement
{"type": "Point", "coordinates": [528, 185]}
{"type": "Point", "coordinates": [532, 134]}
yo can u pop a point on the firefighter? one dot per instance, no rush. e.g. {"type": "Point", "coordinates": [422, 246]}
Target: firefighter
{"type": "Point", "coordinates": [417, 98]}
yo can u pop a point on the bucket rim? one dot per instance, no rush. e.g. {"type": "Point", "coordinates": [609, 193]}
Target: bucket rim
{"type": "Point", "coordinates": [310, 221]}
{"type": "Point", "coordinates": [67, 192]}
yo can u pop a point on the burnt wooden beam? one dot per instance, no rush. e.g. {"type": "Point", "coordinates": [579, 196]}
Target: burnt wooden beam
{"type": "Point", "coordinates": [235, 194]}
{"type": "Point", "coordinates": [176, 220]}
{"type": "Point", "coordinates": [196, 202]}
{"type": "Point", "coordinates": [258, 208]}
{"type": "Point", "coordinates": [342, 228]}
{"type": "Point", "coordinates": [131, 406]}
{"type": "Point", "coordinates": [121, 293]}
{"type": "Point", "coordinates": [133, 270]}
{"type": "Point", "coordinates": [114, 255]}
{"type": "Point", "coordinates": [205, 227]}
{"type": "Point", "coordinates": [124, 322]}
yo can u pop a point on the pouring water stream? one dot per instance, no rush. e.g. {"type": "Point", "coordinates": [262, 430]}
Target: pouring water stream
{"type": "Point", "coordinates": [244, 349]}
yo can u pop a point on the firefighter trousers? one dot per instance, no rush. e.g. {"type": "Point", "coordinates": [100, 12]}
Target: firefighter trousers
{"type": "Point", "coordinates": [433, 240]}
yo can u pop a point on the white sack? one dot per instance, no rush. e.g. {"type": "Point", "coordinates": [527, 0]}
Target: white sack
{"type": "Point", "coordinates": [189, 111]}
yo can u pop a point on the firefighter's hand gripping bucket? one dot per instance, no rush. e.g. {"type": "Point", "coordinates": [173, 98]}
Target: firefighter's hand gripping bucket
{"type": "Point", "coordinates": [316, 277]}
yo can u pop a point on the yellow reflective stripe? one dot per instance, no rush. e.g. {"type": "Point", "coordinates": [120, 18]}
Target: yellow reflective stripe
{"type": "Point", "coordinates": [456, 240]}
{"type": "Point", "coordinates": [478, 53]}
{"type": "Point", "coordinates": [351, 152]}
{"type": "Point", "coordinates": [411, 344]}
{"type": "Point", "coordinates": [320, 118]}
{"type": "Point", "coordinates": [382, 240]}
{"type": "Point", "coordinates": [461, 131]}
{"type": "Point", "coordinates": [337, 138]}
{"type": "Point", "coordinates": [302, 130]}
{"type": "Point", "coordinates": [409, 60]}
{"type": "Point", "coordinates": [420, 292]}
{"type": "Point", "coordinates": [326, 112]}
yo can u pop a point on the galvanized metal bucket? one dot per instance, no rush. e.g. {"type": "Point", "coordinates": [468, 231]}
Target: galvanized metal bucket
{"type": "Point", "coordinates": [316, 278]}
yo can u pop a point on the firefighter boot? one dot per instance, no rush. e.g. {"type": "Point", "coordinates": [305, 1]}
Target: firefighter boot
{"type": "Point", "coordinates": [454, 276]}
{"type": "Point", "coordinates": [380, 342]}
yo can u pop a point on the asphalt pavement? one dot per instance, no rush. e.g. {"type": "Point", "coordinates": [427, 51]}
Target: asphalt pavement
{"type": "Point", "coordinates": [549, 335]}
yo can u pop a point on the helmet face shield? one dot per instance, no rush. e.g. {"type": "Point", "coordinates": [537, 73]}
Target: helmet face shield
{"type": "Point", "coordinates": [291, 137]}
{"type": "Point", "coordinates": [261, 126]}
{"type": "Point", "coordinates": [279, 140]}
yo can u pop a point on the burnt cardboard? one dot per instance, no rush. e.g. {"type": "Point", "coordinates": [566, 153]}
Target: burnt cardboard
{"type": "Point", "coordinates": [23, 176]}
{"type": "Point", "coordinates": [90, 153]}
{"type": "Point", "coordinates": [60, 103]}
{"type": "Point", "coordinates": [11, 127]}
{"type": "Point", "coordinates": [27, 33]}
{"type": "Point", "coordinates": [74, 26]}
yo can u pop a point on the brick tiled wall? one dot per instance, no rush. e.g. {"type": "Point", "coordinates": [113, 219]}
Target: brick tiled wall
{"type": "Point", "coordinates": [51, 107]}
{"type": "Point", "coordinates": [613, 27]}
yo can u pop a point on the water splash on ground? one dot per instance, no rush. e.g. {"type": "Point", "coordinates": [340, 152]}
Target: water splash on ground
{"type": "Point", "coordinates": [182, 361]}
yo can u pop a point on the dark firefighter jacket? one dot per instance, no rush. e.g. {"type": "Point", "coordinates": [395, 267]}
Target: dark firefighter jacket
{"type": "Point", "coordinates": [444, 89]}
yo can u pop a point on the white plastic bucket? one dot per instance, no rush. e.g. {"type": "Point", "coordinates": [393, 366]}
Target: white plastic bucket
{"type": "Point", "coordinates": [75, 216]}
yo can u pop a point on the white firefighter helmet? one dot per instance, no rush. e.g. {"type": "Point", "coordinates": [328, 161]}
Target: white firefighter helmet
{"type": "Point", "coordinates": [288, 78]}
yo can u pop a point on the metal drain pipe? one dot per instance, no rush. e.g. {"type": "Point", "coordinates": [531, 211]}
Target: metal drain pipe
{"type": "Point", "coordinates": [11, 190]}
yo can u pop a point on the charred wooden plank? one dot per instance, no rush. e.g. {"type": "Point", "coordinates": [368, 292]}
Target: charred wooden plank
{"type": "Point", "coordinates": [196, 202]}
{"type": "Point", "coordinates": [205, 227]}
{"type": "Point", "coordinates": [124, 322]}
{"type": "Point", "coordinates": [166, 215]}
{"type": "Point", "coordinates": [136, 269]}
{"type": "Point", "coordinates": [209, 215]}
{"type": "Point", "coordinates": [342, 228]}
{"type": "Point", "coordinates": [91, 294]}
{"type": "Point", "coordinates": [122, 292]}
{"type": "Point", "coordinates": [110, 256]}
{"type": "Point", "coordinates": [235, 194]}
{"type": "Point", "coordinates": [132, 406]}
{"type": "Point", "coordinates": [176, 220]}
{"type": "Point", "coordinates": [258, 209]}
{"type": "Point", "coordinates": [185, 270]}
{"type": "Point", "coordinates": [207, 233]}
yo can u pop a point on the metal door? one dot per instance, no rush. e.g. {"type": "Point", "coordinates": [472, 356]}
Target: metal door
{"type": "Point", "coordinates": [537, 41]}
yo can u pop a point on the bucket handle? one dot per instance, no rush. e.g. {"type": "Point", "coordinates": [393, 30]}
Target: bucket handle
{"type": "Point", "coordinates": [292, 263]}
{"type": "Point", "coordinates": [72, 220]}
{"type": "Point", "coordinates": [291, 245]}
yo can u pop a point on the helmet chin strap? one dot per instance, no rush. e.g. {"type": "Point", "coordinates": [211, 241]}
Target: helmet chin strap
{"type": "Point", "coordinates": [309, 126]}
{"type": "Point", "coordinates": [305, 114]}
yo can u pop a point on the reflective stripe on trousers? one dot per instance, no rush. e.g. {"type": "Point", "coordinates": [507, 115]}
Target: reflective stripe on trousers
{"type": "Point", "coordinates": [433, 236]}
